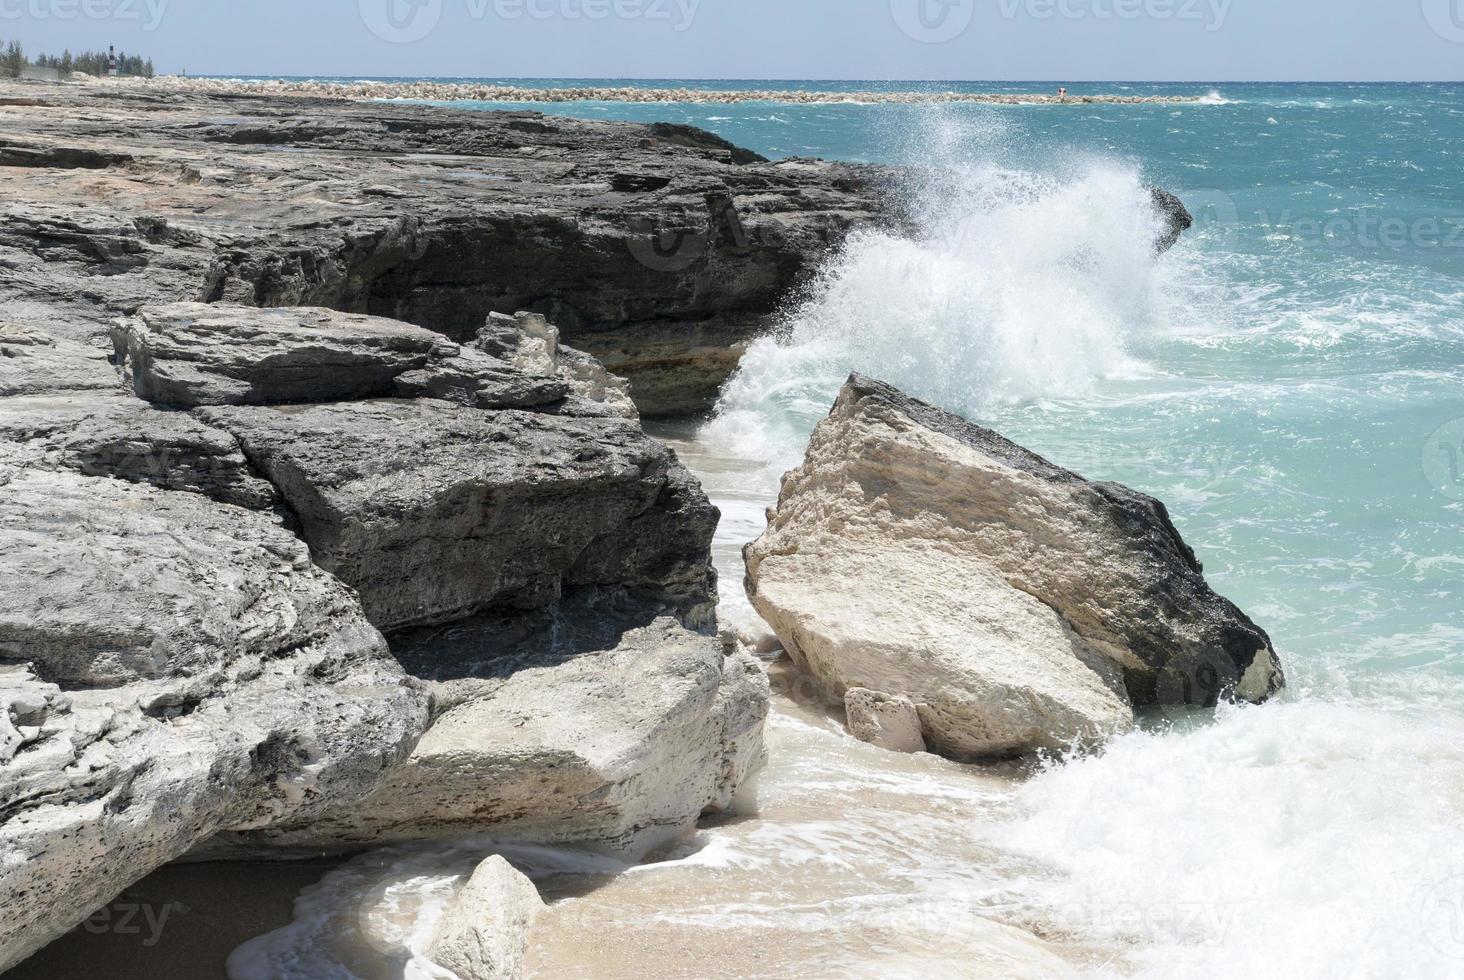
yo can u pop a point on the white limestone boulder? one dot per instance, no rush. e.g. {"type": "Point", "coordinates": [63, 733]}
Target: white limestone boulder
{"type": "Point", "coordinates": [623, 748]}
{"type": "Point", "coordinates": [484, 932]}
{"type": "Point", "coordinates": [884, 720]}
{"type": "Point", "coordinates": [1019, 606]}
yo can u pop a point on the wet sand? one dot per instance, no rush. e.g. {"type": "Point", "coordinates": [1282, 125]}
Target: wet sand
{"type": "Point", "coordinates": [179, 923]}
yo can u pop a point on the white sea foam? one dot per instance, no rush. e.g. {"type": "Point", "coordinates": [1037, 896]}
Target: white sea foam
{"type": "Point", "coordinates": [1018, 286]}
{"type": "Point", "coordinates": [1308, 839]}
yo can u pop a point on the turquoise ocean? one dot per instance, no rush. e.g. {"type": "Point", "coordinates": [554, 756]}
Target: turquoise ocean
{"type": "Point", "coordinates": [1289, 379]}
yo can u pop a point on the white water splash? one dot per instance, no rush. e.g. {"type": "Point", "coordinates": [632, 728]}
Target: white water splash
{"type": "Point", "coordinates": [1310, 839]}
{"type": "Point", "coordinates": [1020, 287]}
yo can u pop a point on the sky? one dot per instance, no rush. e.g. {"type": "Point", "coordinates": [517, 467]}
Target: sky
{"type": "Point", "coordinates": [1063, 40]}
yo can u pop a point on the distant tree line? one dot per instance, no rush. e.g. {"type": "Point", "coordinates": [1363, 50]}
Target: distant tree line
{"type": "Point", "coordinates": [13, 60]}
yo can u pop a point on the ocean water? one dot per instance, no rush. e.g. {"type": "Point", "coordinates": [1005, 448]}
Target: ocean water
{"type": "Point", "coordinates": [1289, 379]}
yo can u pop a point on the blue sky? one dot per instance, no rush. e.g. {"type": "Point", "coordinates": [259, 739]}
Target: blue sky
{"type": "Point", "coordinates": [1199, 40]}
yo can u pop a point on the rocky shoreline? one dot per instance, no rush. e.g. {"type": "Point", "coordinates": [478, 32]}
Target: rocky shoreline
{"type": "Point", "coordinates": [330, 523]}
{"type": "Point", "coordinates": [476, 92]}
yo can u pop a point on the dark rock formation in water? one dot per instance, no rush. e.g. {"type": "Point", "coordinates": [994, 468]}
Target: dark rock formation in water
{"type": "Point", "coordinates": [1020, 606]}
{"type": "Point", "coordinates": [660, 249]}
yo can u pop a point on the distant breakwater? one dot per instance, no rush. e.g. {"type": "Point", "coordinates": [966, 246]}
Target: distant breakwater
{"type": "Point", "coordinates": [470, 92]}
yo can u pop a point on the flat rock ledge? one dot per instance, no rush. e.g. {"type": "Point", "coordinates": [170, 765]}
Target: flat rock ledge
{"type": "Point", "coordinates": [623, 748]}
{"type": "Point", "coordinates": [916, 557]}
{"type": "Point", "coordinates": [300, 575]}
{"type": "Point", "coordinates": [661, 249]}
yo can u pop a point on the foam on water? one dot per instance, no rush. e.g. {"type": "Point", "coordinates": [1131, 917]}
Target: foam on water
{"type": "Point", "coordinates": [1020, 286]}
{"type": "Point", "coordinates": [1309, 839]}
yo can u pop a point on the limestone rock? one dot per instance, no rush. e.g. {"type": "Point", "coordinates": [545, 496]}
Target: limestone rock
{"type": "Point", "coordinates": [190, 354]}
{"type": "Point", "coordinates": [622, 747]}
{"type": "Point", "coordinates": [887, 721]}
{"type": "Point", "coordinates": [531, 344]}
{"type": "Point", "coordinates": [484, 932]}
{"type": "Point", "coordinates": [32, 361]}
{"type": "Point", "coordinates": [434, 512]}
{"type": "Point", "coordinates": [111, 434]}
{"type": "Point", "coordinates": [169, 667]}
{"type": "Point", "coordinates": [660, 249]}
{"type": "Point", "coordinates": [1019, 606]}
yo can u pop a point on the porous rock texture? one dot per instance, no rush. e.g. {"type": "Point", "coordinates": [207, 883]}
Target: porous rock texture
{"type": "Point", "coordinates": [888, 721]}
{"type": "Point", "coordinates": [1018, 605]}
{"type": "Point", "coordinates": [107, 433]}
{"type": "Point", "coordinates": [623, 746]}
{"type": "Point", "coordinates": [484, 932]}
{"type": "Point", "coordinates": [659, 248]}
{"type": "Point", "coordinates": [170, 667]}
{"type": "Point", "coordinates": [189, 646]}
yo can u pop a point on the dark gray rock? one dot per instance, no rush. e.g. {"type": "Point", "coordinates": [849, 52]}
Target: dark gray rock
{"type": "Point", "coordinates": [434, 512]}
{"type": "Point", "coordinates": [111, 434]}
{"type": "Point", "coordinates": [660, 249]}
{"type": "Point", "coordinates": [190, 354]}
{"type": "Point", "coordinates": [32, 361]}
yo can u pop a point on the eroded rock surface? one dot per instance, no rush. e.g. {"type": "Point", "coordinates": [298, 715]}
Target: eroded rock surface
{"type": "Point", "coordinates": [623, 747]}
{"type": "Point", "coordinates": [189, 354]}
{"type": "Point", "coordinates": [107, 433]}
{"type": "Point", "coordinates": [484, 933]}
{"type": "Point", "coordinates": [35, 362]}
{"type": "Point", "coordinates": [169, 667]}
{"type": "Point", "coordinates": [1019, 606]}
{"type": "Point", "coordinates": [660, 249]}
{"type": "Point", "coordinates": [885, 720]}
{"type": "Point", "coordinates": [189, 653]}
{"type": "Point", "coordinates": [434, 512]}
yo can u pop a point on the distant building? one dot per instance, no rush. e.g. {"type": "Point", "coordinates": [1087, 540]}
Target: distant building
{"type": "Point", "coordinates": [111, 59]}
